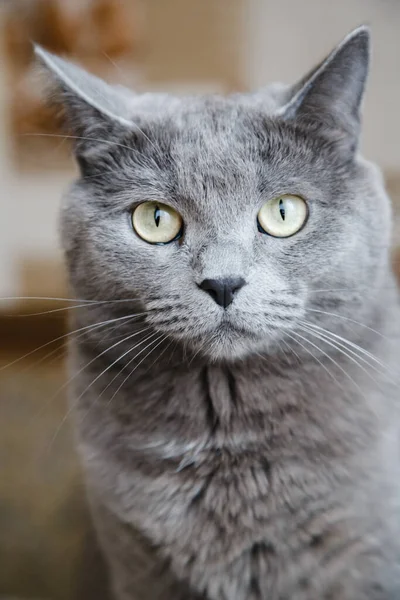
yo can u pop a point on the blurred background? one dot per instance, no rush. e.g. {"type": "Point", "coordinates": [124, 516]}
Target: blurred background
{"type": "Point", "coordinates": [46, 545]}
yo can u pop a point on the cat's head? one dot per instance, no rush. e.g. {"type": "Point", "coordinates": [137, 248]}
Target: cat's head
{"type": "Point", "coordinates": [230, 218]}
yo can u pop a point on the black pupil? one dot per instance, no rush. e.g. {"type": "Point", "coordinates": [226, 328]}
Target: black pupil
{"type": "Point", "coordinates": [282, 209]}
{"type": "Point", "coordinates": [157, 216]}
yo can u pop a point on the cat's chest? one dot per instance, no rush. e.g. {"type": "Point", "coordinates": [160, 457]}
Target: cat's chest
{"type": "Point", "coordinates": [215, 467]}
{"type": "Point", "coordinates": [216, 406]}
{"type": "Point", "coordinates": [222, 514]}
{"type": "Point", "coordinates": [231, 424]}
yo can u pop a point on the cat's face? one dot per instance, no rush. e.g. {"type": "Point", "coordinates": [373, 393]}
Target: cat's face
{"type": "Point", "coordinates": [266, 212]}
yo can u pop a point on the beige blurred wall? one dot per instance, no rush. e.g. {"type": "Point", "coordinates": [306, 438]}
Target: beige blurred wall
{"type": "Point", "coordinates": [194, 41]}
{"type": "Point", "coordinates": [28, 206]}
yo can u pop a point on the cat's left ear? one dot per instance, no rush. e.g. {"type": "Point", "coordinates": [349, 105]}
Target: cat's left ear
{"type": "Point", "coordinates": [329, 98]}
{"type": "Point", "coordinates": [95, 112]}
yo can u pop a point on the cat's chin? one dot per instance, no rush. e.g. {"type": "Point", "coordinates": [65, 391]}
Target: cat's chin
{"type": "Point", "coordinates": [228, 344]}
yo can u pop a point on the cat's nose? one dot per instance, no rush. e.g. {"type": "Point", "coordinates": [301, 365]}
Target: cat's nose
{"type": "Point", "coordinates": [222, 290]}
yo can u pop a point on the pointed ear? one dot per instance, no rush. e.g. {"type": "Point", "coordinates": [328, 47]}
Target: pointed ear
{"type": "Point", "coordinates": [329, 98]}
{"type": "Point", "coordinates": [94, 111]}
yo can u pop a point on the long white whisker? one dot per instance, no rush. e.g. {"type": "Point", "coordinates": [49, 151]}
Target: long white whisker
{"type": "Point", "coordinates": [292, 337]}
{"type": "Point", "coordinates": [83, 300]}
{"type": "Point", "coordinates": [161, 338]}
{"type": "Point", "coordinates": [94, 380]}
{"type": "Point", "coordinates": [346, 289]}
{"type": "Point", "coordinates": [82, 303]}
{"type": "Point", "coordinates": [8, 298]}
{"type": "Point", "coordinates": [161, 354]}
{"type": "Point", "coordinates": [71, 333]}
{"type": "Point", "coordinates": [173, 350]}
{"type": "Point", "coordinates": [358, 348]}
{"type": "Point", "coordinates": [325, 339]}
{"type": "Point", "coordinates": [125, 339]}
{"type": "Point", "coordinates": [292, 350]}
{"type": "Point", "coordinates": [339, 366]}
{"type": "Point", "coordinates": [117, 68]}
{"type": "Point", "coordinates": [71, 379]}
{"type": "Point", "coordinates": [79, 137]}
{"type": "Point", "coordinates": [331, 314]}
{"type": "Point", "coordinates": [63, 309]}
{"type": "Point", "coordinates": [76, 337]}
{"type": "Point", "coordinates": [103, 141]}
{"type": "Point", "coordinates": [199, 349]}
{"type": "Point", "coordinates": [107, 172]}
{"type": "Point", "coordinates": [153, 341]}
{"type": "Point", "coordinates": [152, 335]}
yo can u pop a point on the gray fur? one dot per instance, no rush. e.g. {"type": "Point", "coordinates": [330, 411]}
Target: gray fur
{"type": "Point", "coordinates": [236, 454]}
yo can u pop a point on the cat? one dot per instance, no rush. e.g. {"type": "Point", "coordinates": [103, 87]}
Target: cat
{"type": "Point", "coordinates": [234, 371]}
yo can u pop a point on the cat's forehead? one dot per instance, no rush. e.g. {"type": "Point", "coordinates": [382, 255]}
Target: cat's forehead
{"type": "Point", "coordinates": [228, 141]}
{"type": "Point", "coordinates": [187, 110]}
{"type": "Point", "coordinates": [209, 127]}
{"type": "Point", "coordinates": [212, 146]}
{"type": "Point", "coordinates": [208, 123]}
{"type": "Point", "coordinates": [213, 132]}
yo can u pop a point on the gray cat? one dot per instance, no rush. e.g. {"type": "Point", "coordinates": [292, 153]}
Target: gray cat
{"type": "Point", "coordinates": [235, 365]}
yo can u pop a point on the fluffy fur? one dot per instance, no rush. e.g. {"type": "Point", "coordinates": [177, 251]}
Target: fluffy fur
{"type": "Point", "coordinates": [251, 452]}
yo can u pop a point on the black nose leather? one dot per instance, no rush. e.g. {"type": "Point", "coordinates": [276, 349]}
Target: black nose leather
{"type": "Point", "coordinates": [222, 290]}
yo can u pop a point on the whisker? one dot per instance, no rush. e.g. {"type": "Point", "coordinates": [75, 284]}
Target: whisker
{"type": "Point", "coordinates": [117, 375]}
{"type": "Point", "coordinates": [67, 383]}
{"type": "Point", "coordinates": [160, 340]}
{"type": "Point", "coordinates": [71, 379]}
{"type": "Point", "coordinates": [161, 354]}
{"type": "Point", "coordinates": [133, 125]}
{"type": "Point", "coordinates": [350, 354]}
{"type": "Point", "coordinates": [64, 308]}
{"type": "Point", "coordinates": [79, 137]}
{"type": "Point", "coordinates": [123, 368]}
{"type": "Point", "coordinates": [351, 288]}
{"type": "Point", "coordinates": [125, 339]}
{"type": "Point", "coordinates": [108, 172]}
{"type": "Point", "coordinates": [117, 67]}
{"type": "Point", "coordinates": [199, 349]}
{"type": "Point", "coordinates": [61, 337]}
{"type": "Point", "coordinates": [82, 302]}
{"type": "Point", "coordinates": [339, 366]}
{"type": "Point", "coordinates": [292, 350]}
{"type": "Point", "coordinates": [292, 337]}
{"type": "Point", "coordinates": [334, 345]}
{"type": "Point", "coordinates": [152, 335]}
{"type": "Point", "coordinates": [44, 358]}
{"type": "Point", "coordinates": [349, 343]}
{"type": "Point", "coordinates": [49, 298]}
{"type": "Point", "coordinates": [76, 337]}
{"type": "Point", "coordinates": [173, 350]}
{"type": "Point", "coordinates": [331, 314]}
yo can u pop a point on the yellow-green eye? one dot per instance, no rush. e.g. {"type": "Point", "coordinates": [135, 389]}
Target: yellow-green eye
{"type": "Point", "coordinates": [157, 223]}
{"type": "Point", "coordinates": [283, 216]}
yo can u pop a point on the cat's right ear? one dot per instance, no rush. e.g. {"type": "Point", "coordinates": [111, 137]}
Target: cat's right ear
{"type": "Point", "coordinates": [329, 98]}
{"type": "Point", "coordinates": [95, 112]}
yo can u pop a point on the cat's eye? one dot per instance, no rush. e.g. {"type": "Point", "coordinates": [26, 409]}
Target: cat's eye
{"type": "Point", "coordinates": [157, 223]}
{"type": "Point", "coordinates": [282, 216]}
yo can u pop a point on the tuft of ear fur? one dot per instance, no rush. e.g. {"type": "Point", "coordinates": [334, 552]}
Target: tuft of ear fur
{"type": "Point", "coordinates": [94, 110]}
{"type": "Point", "coordinates": [329, 98]}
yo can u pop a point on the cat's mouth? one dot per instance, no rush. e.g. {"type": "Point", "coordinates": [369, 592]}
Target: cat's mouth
{"type": "Point", "coordinates": [230, 341]}
{"type": "Point", "coordinates": [227, 328]}
{"type": "Point", "coordinates": [229, 336]}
